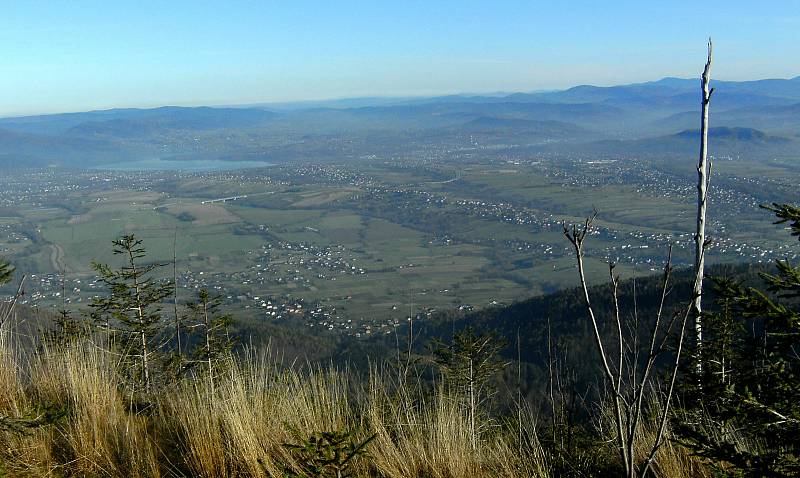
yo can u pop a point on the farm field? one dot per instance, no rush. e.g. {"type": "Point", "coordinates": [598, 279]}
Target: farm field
{"type": "Point", "coordinates": [373, 244]}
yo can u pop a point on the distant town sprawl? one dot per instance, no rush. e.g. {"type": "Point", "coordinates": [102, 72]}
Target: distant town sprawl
{"type": "Point", "coordinates": [357, 247]}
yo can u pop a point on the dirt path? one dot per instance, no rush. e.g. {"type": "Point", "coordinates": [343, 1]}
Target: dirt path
{"type": "Point", "coordinates": [57, 258]}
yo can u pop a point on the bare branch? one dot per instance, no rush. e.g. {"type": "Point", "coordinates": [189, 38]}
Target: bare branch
{"type": "Point", "coordinates": [20, 293]}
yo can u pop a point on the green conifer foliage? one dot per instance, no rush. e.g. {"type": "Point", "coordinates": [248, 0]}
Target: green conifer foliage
{"type": "Point", "coordinates": [747, 417]}
{"type": "Point", "coordinates": [6, 271]}
{"type": "Point", "coordinates": [467, 364]}
{"type": "Point", "coordinates": [131, 311]}
{"type": "Point", "coordinates": [326, 455]}
{"type": "Point", "coordinates": [214, 342]}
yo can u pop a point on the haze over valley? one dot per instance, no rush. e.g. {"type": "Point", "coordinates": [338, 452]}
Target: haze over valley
{"type": "Point", "coordinates": [508, 239]}
{"type": "Point", "coordinates": [351, 218]}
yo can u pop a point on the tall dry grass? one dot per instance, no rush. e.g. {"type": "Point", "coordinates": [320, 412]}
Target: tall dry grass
{"type": "Point", "coordinates": [429, 435]}
{"type": "Point", "coordinates": [99, 435]}
{"type": "Point", "coordinates": [672, 460]}
{"type": "Point", "coordinates": [240, 428]}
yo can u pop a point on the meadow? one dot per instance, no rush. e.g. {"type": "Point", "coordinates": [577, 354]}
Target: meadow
{"type": "Point", "coordinates": [66, 412]}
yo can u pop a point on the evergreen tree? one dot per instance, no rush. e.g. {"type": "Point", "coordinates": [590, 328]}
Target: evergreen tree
{"type": "Point", "coordinates": [214, 342]}
{"type": "Point", "coordinates": [67, 329]}
{"type": "Point", "coordinates": [131, 311]}
{"type": "Point", "coordinates": [467, 364]}
{"type": "Point", "coordinates": [748, 422]}
{"type": "Point", "coordinates": [6, 271]}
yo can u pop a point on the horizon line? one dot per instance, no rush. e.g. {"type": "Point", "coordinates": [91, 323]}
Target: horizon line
{"type": "Point", "coordinates": [299, 102]}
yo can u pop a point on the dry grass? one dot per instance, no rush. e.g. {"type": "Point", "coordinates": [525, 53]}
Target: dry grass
{"type": "Point", "coordinates": [671, 460]}
{"type": "Point", "coordinates": [240, 428]}
{"type": "Point", "coordinates": [430, 437]}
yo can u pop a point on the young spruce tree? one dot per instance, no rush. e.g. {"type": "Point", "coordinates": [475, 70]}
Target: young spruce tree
{"type": "Point", "coordinates": [467, 365]}
{"type": "Point", "coordinates": [131, 312]}
{"type": "Point", "coordinates": [748, 420]}
{"type": "Point", "coordinates": [214, 341]}
{"type": "Point", "coordinates": [6, 271]}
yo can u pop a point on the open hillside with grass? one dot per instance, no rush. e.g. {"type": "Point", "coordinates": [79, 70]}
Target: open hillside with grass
{"type": "Point", "coordinates": [504, 392]}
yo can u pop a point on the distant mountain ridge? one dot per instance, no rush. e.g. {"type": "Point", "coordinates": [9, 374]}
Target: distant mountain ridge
{"type": "Point", "coordinates": [173, 118]}
{"type": "Point", "coordinates": [738, 134]}
{"type": "Point", "coordinates": [200, 117]}
{"type": "Point", "coordinates": [659, 115]}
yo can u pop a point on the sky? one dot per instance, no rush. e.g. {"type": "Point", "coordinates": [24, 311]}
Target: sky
{"type": "Point", "coordinates": [81, 55]}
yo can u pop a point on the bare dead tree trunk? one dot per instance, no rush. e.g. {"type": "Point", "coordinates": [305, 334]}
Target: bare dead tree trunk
{"type": "Point", "coordinates": [519, 394]}
{"type": "Point", "coordinates": [207, 322]}
{"type": "Point", "coordinates": [473, 437]}
{"type": "Point", "coordinates": [627, 389]}
{"type": "Point", "coordinates": [550, 379]}
{"type": "Point", "coordinates": [140, 316]}
{"type": "Point", "coordinates": [175, 290]}
{"type": "Point", "coordinates": [703, 174]}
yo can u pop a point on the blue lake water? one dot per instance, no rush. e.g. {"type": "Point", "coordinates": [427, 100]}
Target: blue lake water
{"type": "Point", "coordinates": [182, 165]}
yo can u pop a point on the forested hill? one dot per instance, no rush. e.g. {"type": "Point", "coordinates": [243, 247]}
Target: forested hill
{"type": "Point", "coordinates": [565, 309]}
{"type": "Point", "coordinates": [524, 326]}
{"type": "Point", "coordinates": [566, 312]}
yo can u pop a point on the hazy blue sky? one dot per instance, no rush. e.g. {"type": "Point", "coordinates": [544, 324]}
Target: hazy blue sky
{"type": "Point", "coordinates": [79, 55]}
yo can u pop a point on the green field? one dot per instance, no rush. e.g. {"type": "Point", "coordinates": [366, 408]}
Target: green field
{"type": "Point", "coordinates": [398, 239]}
